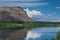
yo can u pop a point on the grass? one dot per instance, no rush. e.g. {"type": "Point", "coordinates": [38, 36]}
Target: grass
{"type": "Point", "coordinates": [8, 24]}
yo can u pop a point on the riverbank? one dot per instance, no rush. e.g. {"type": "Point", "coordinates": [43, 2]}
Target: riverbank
{"type": "Point", "coordinates": [28, 25]}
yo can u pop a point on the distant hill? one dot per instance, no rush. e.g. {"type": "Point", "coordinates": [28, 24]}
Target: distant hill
{"type": "Point", "coordinates": [13, 14]}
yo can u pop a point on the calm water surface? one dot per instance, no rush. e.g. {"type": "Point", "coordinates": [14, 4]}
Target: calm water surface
{"type": "Point", "coordinates": [42, 33]}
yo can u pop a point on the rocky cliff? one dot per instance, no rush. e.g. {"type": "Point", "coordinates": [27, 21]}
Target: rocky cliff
{"type": "Point", "coordinates": [13, 14]}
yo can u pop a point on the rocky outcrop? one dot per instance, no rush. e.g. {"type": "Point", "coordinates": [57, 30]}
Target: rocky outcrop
{"type": "Point", "coordinates": [13, 14]}
{"type": "Point", "coordinates": [13, 34]}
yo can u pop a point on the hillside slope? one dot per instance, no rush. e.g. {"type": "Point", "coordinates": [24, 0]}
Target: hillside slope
{"type": "Point", "coordinates": [13, 14]}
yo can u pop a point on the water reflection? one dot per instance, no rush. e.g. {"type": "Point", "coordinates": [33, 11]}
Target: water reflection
{"type": "Point", "coordinates": [42, 33]}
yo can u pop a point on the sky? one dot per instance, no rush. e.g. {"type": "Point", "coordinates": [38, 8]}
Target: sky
{"type": "Point", "coordinates": [38, 10]}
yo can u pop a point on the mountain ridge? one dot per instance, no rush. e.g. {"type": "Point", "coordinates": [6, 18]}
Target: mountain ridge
{"type": "Point", "coordinates": [13, 14]}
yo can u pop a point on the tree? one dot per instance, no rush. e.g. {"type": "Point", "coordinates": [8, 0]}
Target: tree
{"type": "Point", "coordinates": [53, 39]}
{"type": "Point", "coordinates": [58, 36]}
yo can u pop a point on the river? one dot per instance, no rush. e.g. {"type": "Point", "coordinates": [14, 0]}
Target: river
{"type": "Point", "coordinates": [42, 33]}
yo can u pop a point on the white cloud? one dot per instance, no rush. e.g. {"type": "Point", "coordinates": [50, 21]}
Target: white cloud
{"type": "Point", "coordinates": [51, 14]}
{"type": "Point", "coordinates": [8, 3]}
{"type": "Point", "coordinates": [38, 16]}
{"type": "Point", "coordinates": [58, 28]}
{"type": "Point", "coordinates": [33, 13]}
{"type": "Point", "coordinates": [33, 35]}
{"type": "Point", "coordinates": [36, 4]}
{"type": "Point", "coordinates": [21, 0]}
{"type": "Point", "coordinates": [58, 20]}
{"type": "Point", "coordinates": [57, 7]}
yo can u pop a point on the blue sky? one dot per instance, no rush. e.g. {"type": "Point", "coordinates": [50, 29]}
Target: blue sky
{"type": "Point", "coordinates": [38, 10]}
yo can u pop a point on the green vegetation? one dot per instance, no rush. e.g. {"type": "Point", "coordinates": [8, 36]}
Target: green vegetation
{"type": "Point", "coordinates": [21, 24]}
{"type": "Point", "coordinates": [57, 37]}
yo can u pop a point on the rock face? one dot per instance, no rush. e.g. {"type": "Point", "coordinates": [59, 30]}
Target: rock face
{"type": "Point", "coordinates": [13, 14]}
{"type": "Point", "coordinates": [13, 34]}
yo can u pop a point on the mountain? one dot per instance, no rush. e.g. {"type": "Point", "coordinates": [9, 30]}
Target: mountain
{"type": "Point", "coordinates": [13, 14]}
